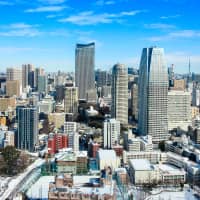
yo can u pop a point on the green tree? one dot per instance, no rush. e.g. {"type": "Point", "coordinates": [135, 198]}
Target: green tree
{"type": "Point", "coordinates": [10, 156]}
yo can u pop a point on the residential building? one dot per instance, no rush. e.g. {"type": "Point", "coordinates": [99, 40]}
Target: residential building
{"type": "Point", "coordinates": [179, 110]}
{"type": "Point", "coordinates": [119, 108]}
{"type": "Point", "coordinates": [27, 131]}
{"type": "Point", "coordinates": [111, 133]}
{"type": "Point", "coordinates": [71, 100]}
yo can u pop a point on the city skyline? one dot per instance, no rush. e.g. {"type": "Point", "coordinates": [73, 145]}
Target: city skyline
{"type": "Point", "coordinates": [45, 32]}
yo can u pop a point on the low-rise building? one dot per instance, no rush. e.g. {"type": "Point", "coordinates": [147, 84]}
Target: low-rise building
{"type": "Point", "coordinates": [107, 158]}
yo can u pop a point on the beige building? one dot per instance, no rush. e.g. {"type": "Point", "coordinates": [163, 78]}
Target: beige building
{"type": "Point", "coordinates": [179, 84]}
{"type": "Point", "coordinates": [179, 109]}
{"type": "Point", "coordinates": [71, 100]}
{"type": "Point", "coordinates": [13, 88]}
{"type": "Point", "coordinates": [58, 119]}
{"type": "Point", "coordinates": [7, 103]}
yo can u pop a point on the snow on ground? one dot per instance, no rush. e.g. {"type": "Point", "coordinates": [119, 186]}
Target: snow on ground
{"type": "Point", "coordinates": [12, 185]}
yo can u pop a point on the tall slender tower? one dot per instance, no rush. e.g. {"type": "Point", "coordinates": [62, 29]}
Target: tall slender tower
{"type": "Point", "coordinates": [153, 90]}
{"type": "Point", "coordinates": [27, 133]}
{"type": "Point", "coordinates": [120, 93]}
{"type": "Point", "coordinates": [84, 68]}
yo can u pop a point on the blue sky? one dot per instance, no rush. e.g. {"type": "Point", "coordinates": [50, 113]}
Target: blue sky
{"type": "Point", "coordinates": [45, 32]}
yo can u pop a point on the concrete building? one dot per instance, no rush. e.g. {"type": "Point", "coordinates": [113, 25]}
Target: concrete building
{"type": "Point", "coordinates": [73, 141]}
{"type": "Point", "coordinates": [27, 69]}
{"type": "Point", "coordinates": [13, 88]}
{"type": "Point", "coordinates": [111, 133]}
{"type": "Point", "coordinates": [71, 100]}
{"type": "Point", "coordinates": [81, 187]}
{"type": "Point", "coordinates": [179, 110]}
{"type": "Point", "coordinates": [107, 158]}
{"type": "Point", "coordinates": [42, 83]}
{"type": "Point", "coordinates": [9, 139]}
{"type": "Point", "coordinates": [179, 84]}
{"type": "Point", "coordinates": [13, 74]}
{"type": "Point", "coordinates": [84, 68]}
{"type": "Point", "coordinates": [134, 100]}
{"type": "Point", "coordinates": [7, 103]}
{"type": "Point", "coordinates": [153, 90]}
{"type": "Point", "coordinates": [70, 127]}
{"type": "Point", "coordinates": [142, 171]}
{"type": "Point", "coordinates": [27, 131]}
{"type": "Point", "coordinates": [58, 119]}
{"type": "Point", "coordinates": [57, 142]}
{"type": "Point", "coordinates": [119, 108]}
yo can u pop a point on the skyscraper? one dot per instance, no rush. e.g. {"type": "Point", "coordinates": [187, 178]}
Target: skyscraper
{"type": "Point", "coordinates": [111, 133]}
{"type": "Point", "coordinates": [27, 71]}
{"type": "Point", "coordinates": [71, 100]}
{"type": "Point", "coordinates": [120, 93]}
{"type": "Point", "coordinates": [84, 68]}
{"type": "Point", "coordinates": [27, 133]}
{"type": "Point", "coordinates": [153, 89]}
{"type": "Point", "coordinates": [14, 74]}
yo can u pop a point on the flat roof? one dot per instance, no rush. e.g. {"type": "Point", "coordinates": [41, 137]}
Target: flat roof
{"type": "Point", "coordinates": [141, 164]}
{"type": "Point", "coordinates": [40, 188]}
{"type": "Point", "coordinates": [107, 154]}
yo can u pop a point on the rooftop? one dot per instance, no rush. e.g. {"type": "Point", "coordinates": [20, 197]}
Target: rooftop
{"type": "Point", "coordinates": [141, 164]}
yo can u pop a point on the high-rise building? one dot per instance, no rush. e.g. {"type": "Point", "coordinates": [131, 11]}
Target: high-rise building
{"type": "Point", "coordinates": [38, 72]}
{"type": "Point", "coordinates": [70, 127]}
{"type": "Point", "coordinates": [7, 103]}
{"type": "Point", "coordinates": [119, 108]}
{"type": "Point", "coordinates": [153, 90]}
{"type": "Point", "coordinates": [42, 83]}
{"type": "Point", "coordinates": [14, 74]}
{"type": "Point", "coordinates": [26, 70]}
{"type": "Point", "coordinates": [111, 133]}
{"type": "Point", "coordinates": [102, 78]}
{"type": "Point", "coordinates": [73, 141]}
{"type": "Point", "coordinates": [13, 88]}
{"type": "Point", "coordinates": [84, 68]}
{"type": "Point", "coordinates": [171, 75]}
{"type": "Point", "coordinates": [179, 110]}
{"type": "Point", "coordinates": [134, 100]}
{"type": "Point", "coordinates": [71, 100]}
{"type": "Point", "coordinates": [27, 133]}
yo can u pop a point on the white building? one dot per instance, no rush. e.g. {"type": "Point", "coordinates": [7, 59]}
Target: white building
{"type": "Point", "coordinates": [111, 133]}
{"type": "Point", "coordinates": [142, 171]}
{"type": "Point", "coordinates": [70, 127]}
{"type": "Point", "coordinates": [179, 110]}
{"type": "Point", "coordinates": [120, 93]}
{"type": "Point", "coordinates": [107, 158]}
{"type": "Point", "coordinates": [73, 141]}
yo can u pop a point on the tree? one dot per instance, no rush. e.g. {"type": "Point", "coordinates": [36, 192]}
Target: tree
{"type": "Point", "coordinates": [10, 155]}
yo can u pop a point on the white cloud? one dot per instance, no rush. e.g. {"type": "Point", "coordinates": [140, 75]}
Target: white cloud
{"type": "Point", "coordinates": [104, 2]}
{"type": "Point", "coordinates": [52, 2]}
{"type": "Point", "coordinates": [90, 18]}
{"type": "Point", "coordinates": [46, 9]}
{"type": "Point", "coordinates": [20, 30]}
{"type": "Point", "coordinates": [170, 16]}
{"type": "Point", "coordinates": [6, 3]}
{"type": "Point", "coordinates": [177, 34]}
{"type": "Point", "coordinates": [160, 26]}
